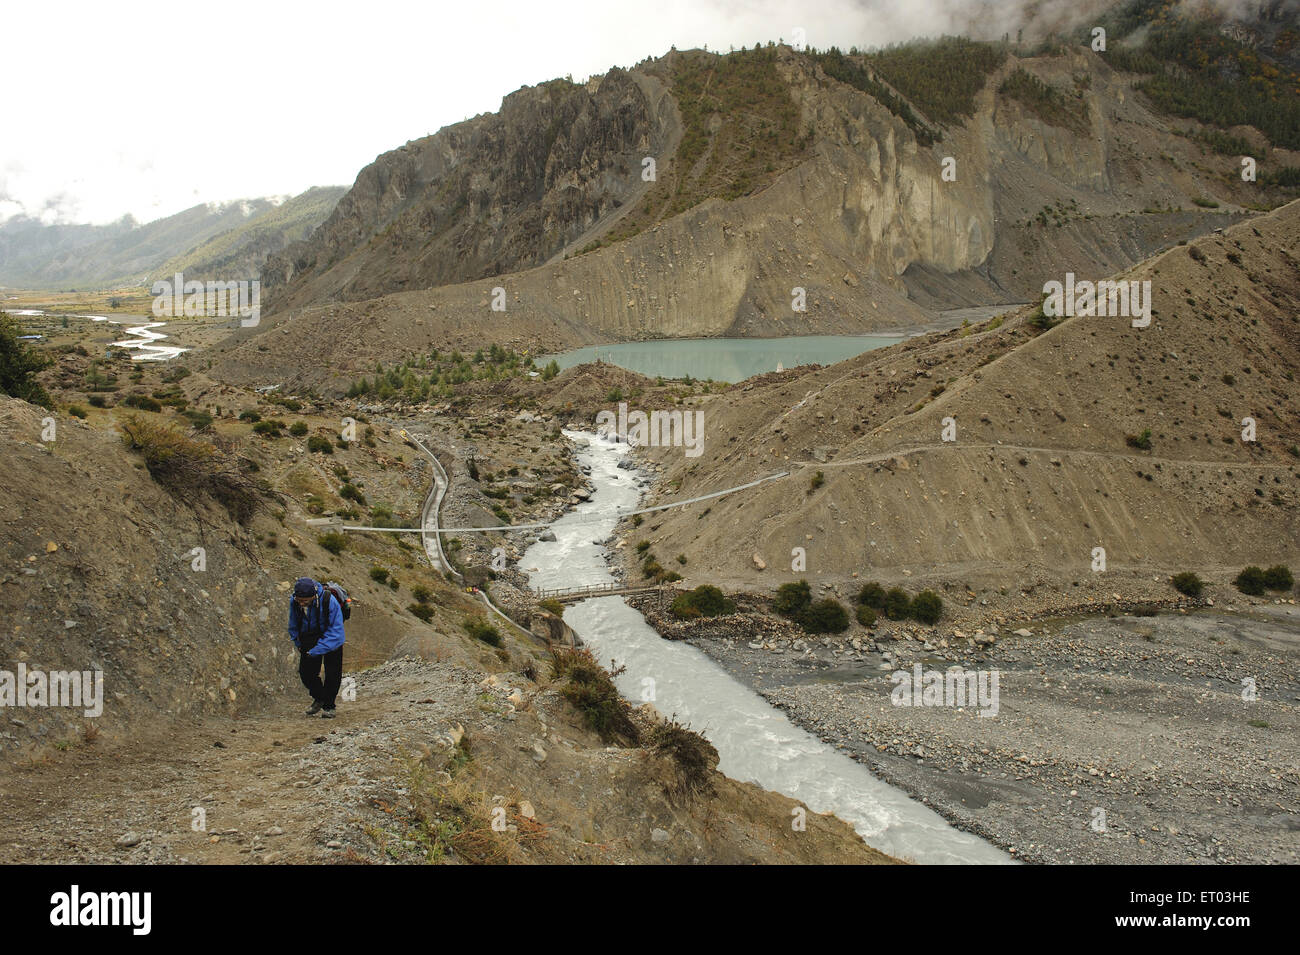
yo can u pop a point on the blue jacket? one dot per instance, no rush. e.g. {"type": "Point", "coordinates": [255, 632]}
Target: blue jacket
{"type": "Point", "coordinates": [309, 622]}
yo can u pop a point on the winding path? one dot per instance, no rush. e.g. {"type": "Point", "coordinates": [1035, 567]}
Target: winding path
{"type": "Point", "coordinates": [431, 532]}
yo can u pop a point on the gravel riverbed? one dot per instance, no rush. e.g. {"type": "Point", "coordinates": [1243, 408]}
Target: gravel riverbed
{"type": "Point", "coordinates": [1116, 739]}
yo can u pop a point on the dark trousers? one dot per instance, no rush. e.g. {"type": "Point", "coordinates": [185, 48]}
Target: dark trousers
{"type": "Point", "coordinates": [309, 670]}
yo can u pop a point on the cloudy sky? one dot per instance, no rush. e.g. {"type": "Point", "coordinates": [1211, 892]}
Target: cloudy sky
{"type": "Point", "coordinates": [148, 108]}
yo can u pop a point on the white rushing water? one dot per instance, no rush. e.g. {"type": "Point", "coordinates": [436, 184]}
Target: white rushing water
{"type": "Point", "coordinates": [142, 344]}
{"type": "Point", "coordinates": [756, 742]}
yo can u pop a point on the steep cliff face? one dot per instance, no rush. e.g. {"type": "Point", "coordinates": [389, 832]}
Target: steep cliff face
{"type": "Point", "coordinates": [873, 229]}
{"type": "Point", "coordinates": [494, 194]}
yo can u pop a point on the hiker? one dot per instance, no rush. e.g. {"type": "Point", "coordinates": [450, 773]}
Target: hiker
{"type": "Point", "coordinates": [316, 629]}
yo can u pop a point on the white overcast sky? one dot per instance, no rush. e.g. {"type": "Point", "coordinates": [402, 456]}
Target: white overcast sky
{"type": "Point", "coordinates": [148, 108]}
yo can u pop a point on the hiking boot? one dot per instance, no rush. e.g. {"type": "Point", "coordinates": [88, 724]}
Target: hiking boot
{"type": "Point", "coordinates": [328, 714]}
{"type": "Point", "coordinates": [315, 708]}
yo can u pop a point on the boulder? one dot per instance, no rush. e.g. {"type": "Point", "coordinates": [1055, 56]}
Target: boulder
{"type": "Point", "coordinates": [553, 630]}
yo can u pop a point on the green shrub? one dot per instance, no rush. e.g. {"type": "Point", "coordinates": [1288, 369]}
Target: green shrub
{"type": "Point", "coordinates": [825, 616]}
{"type": "Point", "coordinates": [143, 402]}
{"type": "Point", "coordinates": [817, 481]}
{"type": "Point", "coordinates": [872, 595]}
{"type": "Point", "coordinates": [19, 365]}
{"type": "Point", "coordinates": [591, 690]}
{"type": "Point", "coordinates": [1140, 441]}
{"type": "Point", "coordinates": [1278, 577]}
{"type": "Point", "coordinates": [334, 542]}
{"type": "Point", "coordinates": [927, 607]}
{"type": "Point", "coordinates": [251, 416]}
{"type": "Point", "coordinates": [704, 601]}
{"type": "Point", "coordinates": [866, 615]}
{"type": "Point", "coordinates": [1251, 581]}
{"type": "Point", "coordinates": [201, 420]}
{"type": "Point", "coordinates": [270, 428]}
{"type": "Point", "coordinates": [379, 574]}
{"type": "Point", "coordinates": [352, 493]}
{"type": "Point", "coordinates": [298, 429]}
{"type": "Point", "coordinates": [422, 593]}
{"type": "Point", "coordinates": [792, 599]}
{"type": "Point", "coordinates": [694, 759]}
{"type": "Point", "coordinates": [76, 411]}
{"type": "Point", "coordinates": [482, 630]}
{"type": "Point", "coordinates": [320, 444]}
{"type": "Point", "coordinates": [552, 606]}
{"type": "Point", "coordinates": [1188, 584]}
{"type": "Point", "coordinates": [897, 604]}
{"type": "Point", "coordinates": [421, 610]}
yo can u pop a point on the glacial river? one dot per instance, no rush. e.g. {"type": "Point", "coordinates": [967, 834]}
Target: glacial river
{"type": "Point", "coordinates": [755, 741]}
{"type": "Point", "coordinates": [143, 340]}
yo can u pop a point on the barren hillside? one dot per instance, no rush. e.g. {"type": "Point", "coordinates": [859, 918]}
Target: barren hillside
{"type": "Point", "coordinates": [1041, 471]}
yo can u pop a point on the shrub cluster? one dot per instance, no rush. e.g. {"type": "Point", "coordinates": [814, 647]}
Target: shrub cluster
{"type": "Point", "coordinates": [895, 603]}
{"type": "Point", "coordinates": [590, 688]}
{"type": "Point", "coordinates": [1255, 580]}
{"type": "Point", "coordinates": [482, 630]}
{"type": "Point", "coordinates": [704, 601]}
{"type": "Point", "coordinates": [795, 602]}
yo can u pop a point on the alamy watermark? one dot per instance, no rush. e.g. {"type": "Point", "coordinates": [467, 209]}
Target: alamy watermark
{"type": "Point", "coordinates": [1106, 298]}
{"type": "Point", "coordinates": [658, 429]}
{"type": "Point", "coordinates": [954, 687]}
{"type": "Point", "coordinates": [82, 689]}
{"type": "Point", "coordinates": [195, 299]}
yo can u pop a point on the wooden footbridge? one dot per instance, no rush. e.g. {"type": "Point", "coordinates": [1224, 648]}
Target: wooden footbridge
{"type": "Point", "coordinates": [573, 594]}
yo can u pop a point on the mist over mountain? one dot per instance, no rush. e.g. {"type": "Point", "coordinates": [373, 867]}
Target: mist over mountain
{"type": "Point", "coordinates": [226, 240]}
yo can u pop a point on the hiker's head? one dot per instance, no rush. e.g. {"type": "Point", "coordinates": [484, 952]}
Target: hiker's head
{"type": "Point", "coordinates": [304, 591]}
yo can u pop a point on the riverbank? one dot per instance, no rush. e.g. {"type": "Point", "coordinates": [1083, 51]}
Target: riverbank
{"type": "Point", "coordinates": [1119, 739]}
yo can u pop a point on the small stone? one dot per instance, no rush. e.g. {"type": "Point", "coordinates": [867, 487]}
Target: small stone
{"type": "Point", "coordinates": [129, 839]}
{"type": "Point", "coordinates": [659, 835]}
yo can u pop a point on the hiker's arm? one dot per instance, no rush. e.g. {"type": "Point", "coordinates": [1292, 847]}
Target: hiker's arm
{"type": "Point", "coordinates": [295, 623]}
{"type": "Point", "coordinates": [333, 636]}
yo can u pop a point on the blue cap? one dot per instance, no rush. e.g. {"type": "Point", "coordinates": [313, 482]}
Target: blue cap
{"type": "Point", "coordinates": [304, 587]}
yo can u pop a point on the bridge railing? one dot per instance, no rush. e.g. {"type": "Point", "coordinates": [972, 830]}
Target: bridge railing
{"type": "Point", "coordinates": [562, 593]}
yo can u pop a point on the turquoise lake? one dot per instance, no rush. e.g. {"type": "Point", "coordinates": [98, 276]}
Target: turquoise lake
{"type": "Point", "coordinates": [723, 359]}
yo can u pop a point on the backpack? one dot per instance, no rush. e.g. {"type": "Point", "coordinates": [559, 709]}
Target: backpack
{"type": "Point", "coordinates": [341, 595]}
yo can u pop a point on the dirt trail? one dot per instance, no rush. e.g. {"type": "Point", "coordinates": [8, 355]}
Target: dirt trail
{"type": "Point", "coordinates": [248, 775]}
{"type": "Point", "coordinates": [390, 780]}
